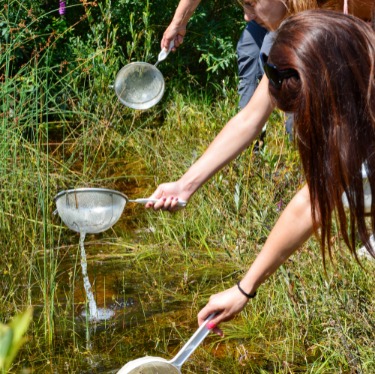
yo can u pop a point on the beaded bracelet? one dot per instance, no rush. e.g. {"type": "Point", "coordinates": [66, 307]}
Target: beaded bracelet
{"type": "Point", "coordinates": [248, 295]}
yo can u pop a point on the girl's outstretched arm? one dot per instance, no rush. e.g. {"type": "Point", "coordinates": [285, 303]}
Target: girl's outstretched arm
{"type": "Point", "coordinates": [291, 230]}
{"type": "Point", "coordinates": [235, 137]}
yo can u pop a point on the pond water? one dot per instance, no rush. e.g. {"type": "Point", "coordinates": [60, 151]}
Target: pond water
{"type": "Point", "coordinates": [119, 300]}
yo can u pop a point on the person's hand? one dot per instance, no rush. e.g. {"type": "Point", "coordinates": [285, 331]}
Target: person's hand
{"type": "Point", "coordinates": [175, 33]}
{"type": "Point", "coordinates": [169, 194]}
{"type": "Point", "coordinates": [226, 305]}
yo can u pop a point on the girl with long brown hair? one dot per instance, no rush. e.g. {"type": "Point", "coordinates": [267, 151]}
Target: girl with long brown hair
{"type": "Point", "coordinates": [244, 127]}
{"type": "Point", "coordinates": [322, 68]}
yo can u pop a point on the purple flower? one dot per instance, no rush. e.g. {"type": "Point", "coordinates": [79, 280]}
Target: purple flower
{"type": "Point", "coordinates": [279, 205]}
{"type": "Point", "coordinates": [62, 7]}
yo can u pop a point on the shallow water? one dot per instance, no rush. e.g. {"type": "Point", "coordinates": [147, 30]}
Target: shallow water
{"type": "Point", "coordinates": [149, 310]}
{"type": "Point", "coordinates": [146, 291]}
{"type": "Point", "coordinates": [120, 297]}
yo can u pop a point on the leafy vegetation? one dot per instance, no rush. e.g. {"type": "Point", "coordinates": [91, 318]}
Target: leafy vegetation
{"type": "Point", "coordinates": [11, 339]}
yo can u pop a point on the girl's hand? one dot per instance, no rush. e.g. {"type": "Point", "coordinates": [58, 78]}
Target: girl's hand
{"type": "Point", "coordinates": [226, 305]}
{"type": "Point", "coordinates": [169, 194]}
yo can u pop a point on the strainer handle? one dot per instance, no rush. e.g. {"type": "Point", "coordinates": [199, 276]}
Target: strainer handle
{"type": "Point", "coordinates": [146, 200]}
{"type": "Point", "coordinates": [192, 343]}
{"type": "Point", "coordinates": [165, 52]}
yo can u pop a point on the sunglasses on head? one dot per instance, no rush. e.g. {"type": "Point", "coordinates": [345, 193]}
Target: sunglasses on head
{"type": "Point", "coordinates": [274, 75]}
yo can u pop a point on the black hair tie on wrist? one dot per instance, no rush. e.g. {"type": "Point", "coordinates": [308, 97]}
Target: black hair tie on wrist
{"type": "Point", "coordinates": [248, 295]}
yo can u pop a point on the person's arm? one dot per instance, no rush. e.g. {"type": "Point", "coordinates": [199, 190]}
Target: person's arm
{"type": "Point", "coordinates": [236, 136]}
{"type": "Point", "coordinates": [291, 230]}
{"type": "Point", "coordinates": [177, 28]}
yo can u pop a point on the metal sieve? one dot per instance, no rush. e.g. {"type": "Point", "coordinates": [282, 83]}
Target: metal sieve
{"type": "Point", "coordinates": [140, 85]}
{"type": "Point", "coordinates": [93, 210]}
{"type": "Point", "coordinates": [158, 365]}
{"type": "Point", "coordinates": [90, 210]}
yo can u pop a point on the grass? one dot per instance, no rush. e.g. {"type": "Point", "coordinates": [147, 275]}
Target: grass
{"type": "Point", "coordinates": [66, 130]}
{"type": "Point", "coordinates": [302, 320]}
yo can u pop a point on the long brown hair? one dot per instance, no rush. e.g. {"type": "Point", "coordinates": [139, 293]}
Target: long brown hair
{"type": "Point", "coordinates": [333, 99]}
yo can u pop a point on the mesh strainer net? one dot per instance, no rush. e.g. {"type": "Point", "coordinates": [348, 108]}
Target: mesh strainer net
{"type": "Point", "coordinates": [158, 365]}
{"type": "Point", "coordinates": [150, 365]}
{"type": "Point", "coordinates": [90, 210]}
{"type": "Point", "coordinates": [139, 85]}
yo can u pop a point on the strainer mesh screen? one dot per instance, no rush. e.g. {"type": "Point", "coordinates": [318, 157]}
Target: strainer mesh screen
{"type": "Point", "coordinates": [139, 83]}
{"type": "Point", "coordinates": [155, 368]}
{"type": "Point", "coordinates": [90, 211]}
